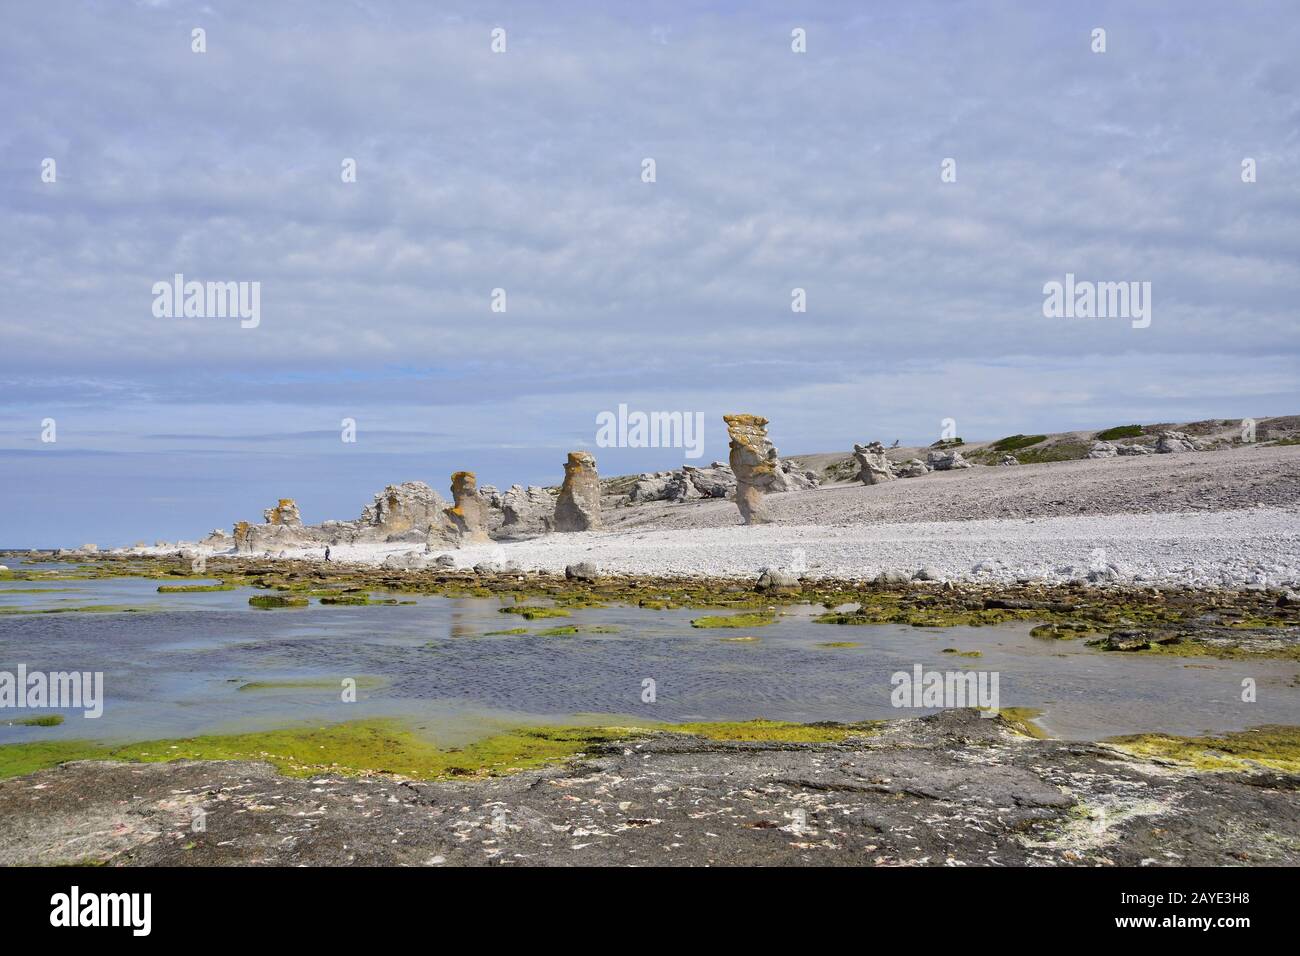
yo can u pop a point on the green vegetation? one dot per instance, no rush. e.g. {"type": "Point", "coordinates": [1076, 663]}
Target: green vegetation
{"type": "Point", "coordinates": [513, 630]}
{"type": "Point", "coordinates": [85, 609]}
{"type": "Point", "coordinates": [49, 720]}
{"type": "Point", "coordinates": [1012, 442]}
{"type": "Point", "coordinates": [531, 612]}
{"type": "Point", "coordinates": [1058, 451]}
{"type": "Point", "coordinates": [1270, 747]}
{"type": "Point", "coordinates": [775, 730]}
{"type": "Point", "coordinates": [362, 747]}
{"type": "Point", "coordinates": [387, 746]}
{"type": "Point", "coordinates": [269, 601]}
{"type": "Point", "coordinates": [1120, 431]}
{"type": "Point", "coordinates": [1060, 630]}
{"type": "Point", "coordinates": [562, 631]}
{"type": "Point", "coordinates": [312, 683]}
{"type": "Point", "coordinates": [839, 644]}
{"type": "Point", "coordinates": [953, 650]}
{"type": "Point", "coordinates": [734, 620]}
{"type": "Point", "coordinates": [193, 588]}
{"type": "Point", "coordinates": [1021, 720]}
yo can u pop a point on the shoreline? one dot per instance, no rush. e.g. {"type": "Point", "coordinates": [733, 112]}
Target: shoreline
{"type": "Point", "coordinates": [949, 789]}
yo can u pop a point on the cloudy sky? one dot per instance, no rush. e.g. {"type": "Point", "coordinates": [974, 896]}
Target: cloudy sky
{"type": "Point", "coordinates": [522, 171]}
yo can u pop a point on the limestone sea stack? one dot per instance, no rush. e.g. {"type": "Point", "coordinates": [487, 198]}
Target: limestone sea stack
{"type": "Point", "coordinates": [285, 513]}
{"type": "Point", "coordinates": [469, 513]}
{"type": "Point", "coordinates": [578, 507]}
{"type": "Point", "coordinates": [755, 464]}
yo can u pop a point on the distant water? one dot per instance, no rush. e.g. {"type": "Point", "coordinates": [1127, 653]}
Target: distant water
{"type": "Point", "coordinates": [177, 670]}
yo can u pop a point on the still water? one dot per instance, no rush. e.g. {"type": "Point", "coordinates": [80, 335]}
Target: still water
{"type": "Point", "coordinates": [180, 668]}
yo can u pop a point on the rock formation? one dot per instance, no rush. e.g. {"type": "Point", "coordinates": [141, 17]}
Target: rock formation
{"type": "Point", "coordinates": [527, 510]}
{"type": "Point", "coordinates": [912, 468]}
{"type": "Point", "coordinates": [941, 460]}
{"type": "Point", "coordinates": [1008, 460]}
{"type": "Point", "coordinates": [469, 514]}
{"type": "Point", "coordinates": [873, 466]}
{"type": "Point", "coordinates": [578, 507]}
{"type": "Point", "coordinates": [1102, 449]}
{"type": "Point", "coordinates": [285, 513]}
{"type": "Point", "coordinates": [1169, 443]}
{"type": "Point", "coordinates": [283, 528]}
{"type": "Point", "coordinates": [756, 465]}
{"type": "Point", "coordinates": [408, 511]}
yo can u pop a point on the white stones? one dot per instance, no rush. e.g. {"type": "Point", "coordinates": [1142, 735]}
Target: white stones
{"type": "Point", "coordinates": [946, 460]}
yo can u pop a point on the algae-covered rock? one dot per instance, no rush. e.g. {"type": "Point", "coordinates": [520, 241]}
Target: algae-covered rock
{"type": "Point", "coordinates": [270, 601]}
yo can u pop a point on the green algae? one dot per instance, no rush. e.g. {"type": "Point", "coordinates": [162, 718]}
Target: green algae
{"type": "Point", "coordinates": [959, 653]}
{"type": "Point", "coordinates": [739, 640]}
{"type": "Point", "coordinates": [839, 644]}
{"type": "Point", "coordinates": [49, 720]}
{"type": "Point", "coordinates": [379, 746]}
{"type": "Point", "coordinates": [531, 612]}
{"type": "Point", "coordinates": [513, 630]}
{"type": "Point", "coordinates": [562, 631]}
{"type": "Point", "coordinates": [775, 730]}
{"type": "Point", "coordinates": [194, 588]}
{"type": "Point", "coordinates": [387, 746]}
{"type": "Point", "coordinates": [350, 599]}
{"type": "Point", "coordinates": [1272, 747]}
{"type": "Point", "coordinates": [85, 609]}
{"type": "Point", "coordinates": [268, 602]}
{"type": "Point", "coordinates": [1021, 720]}
{"type": "Point", "coordinates": [4, 591]}
{"type": "Point", "coordinates": [1060, 630]}
{"type": "Point", "coordinates": [733, 620]}
{"type": "Point", "coordinates": [312, 683]}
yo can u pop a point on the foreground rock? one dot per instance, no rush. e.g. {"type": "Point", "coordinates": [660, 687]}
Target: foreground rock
{"type": "Point", "coordinates": [578, 507]}
{"type": "Point", "coordinates": [952, 789]}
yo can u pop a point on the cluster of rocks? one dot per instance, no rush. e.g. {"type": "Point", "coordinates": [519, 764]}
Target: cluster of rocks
{"type": "Point", "coordinates": [875, 466]}
{"type": "Point", "coordinates": [1167, 443]}
{"type": "Point", "coordinates": [685, 484]}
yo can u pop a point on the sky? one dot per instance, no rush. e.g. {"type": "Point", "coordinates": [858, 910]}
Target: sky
{"type": "Point", "coordinates": [523, 171]}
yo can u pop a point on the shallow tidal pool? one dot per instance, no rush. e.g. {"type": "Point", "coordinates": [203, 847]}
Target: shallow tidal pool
{"type": "Point", "coordinates": [181, 664]}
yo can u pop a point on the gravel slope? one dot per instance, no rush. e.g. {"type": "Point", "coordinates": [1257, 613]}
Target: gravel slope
{"type": "Point", "coordinates": [1194, 481]}
{"type": "Point", "coordinates": [1209, 549]}
{"type": "Point", "coordinates": [1203, 519]}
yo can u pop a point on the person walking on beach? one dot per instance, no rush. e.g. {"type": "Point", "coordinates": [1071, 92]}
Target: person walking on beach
{"type": "Point", "coordinates": [327, 552]}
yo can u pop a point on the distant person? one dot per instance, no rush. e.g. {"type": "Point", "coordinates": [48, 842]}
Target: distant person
{"type": "Point", "coordinates": [327, 552]}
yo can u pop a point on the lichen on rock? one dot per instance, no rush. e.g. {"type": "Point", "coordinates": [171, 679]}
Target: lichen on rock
{"type": "Point", "coordinates": [578, 507]}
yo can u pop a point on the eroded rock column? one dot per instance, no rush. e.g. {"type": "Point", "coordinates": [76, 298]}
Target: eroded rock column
{"type": "Point", "coordinates": [755, 464]}
{"type": "Point", "coordinates": [578, 507]}
{"type": "Point", "coordinates": [469, 513]}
